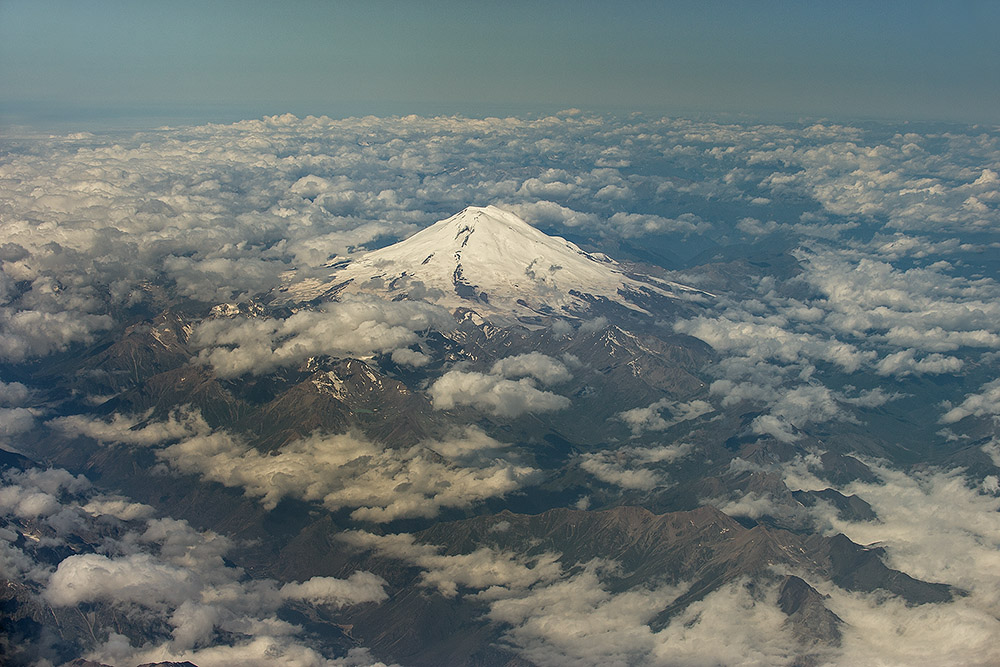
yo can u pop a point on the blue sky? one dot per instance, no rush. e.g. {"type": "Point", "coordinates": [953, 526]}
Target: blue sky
{"type": "Point", "coordinates": [87, 61]}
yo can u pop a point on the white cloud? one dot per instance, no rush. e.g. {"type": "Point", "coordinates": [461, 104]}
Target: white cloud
{"type": "Point", "coordinates": [13, 394]}
{"type": "Point", "coordinates": [921, 308]}
{"type": "Point", "coordinates": [935, 527]}
{"type": "Point", "coordinates": [235, 347]}
{"type": "Point", "coordinates": [35, 494]}
{"type": "Point", "coordinates": [132, 429]}
{"type": "Point", "coordinates": [118, 507]}
{"type": "Point", "coordinates": [984, 403]}
{"type": "Point", "coordinates": [191, 601]}
{"type": "Point", "coordinates": [651, 418]}
{"type": "Point", "coordinates": [91, 221]}
{"type": "Point", "coordinates": [629, 467]}
{"type": "Point", "coordinates": [381, 483]}
{"type": "Point", "coordinates": [33, 333]}
{"type": "Point", "coordinates": [543, 368]}
{"type": "Point", "coordinates": [578, 621]}
{"type": "Point", "coordinates": [761, 340]}
{"type": "Point", "coordinates": [27, 504]}
{"type": "Point", "coordinates": [606, 468]}
{"type": "Point", "coordinates": [807, 403]}
{"type": "Point", "coordinates": [15, 421]}
{"type": "Point", "coordinates": [776, 427]}
{"type": "Point", "coordinates": [481, 569]}
{"type": "Point", "coordinates": [139, 578]}
{"type": "Point", "coordinates": [632, 225]}
{"type": "Point", "coordinates": [544, 212]}
{"type": "Point", "coordinates": [264, 650]}
{"type": "Point", "coordinates": [904, 363]}
{"type": "Point", "coordinates": [467, 442]}
{"type": "Point", "coordinates": [404, 356]}
{"type": "Point", "coordinates": [871, 398]}
{"type": "Point", "coordinates": [734, 625]}
{"type": "Point", "coordinates": [359, 587]}
{"type": "Point", "coordinates": [494, 392]}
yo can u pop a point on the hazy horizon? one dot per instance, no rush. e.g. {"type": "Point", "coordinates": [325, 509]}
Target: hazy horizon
{"type": "Point", "coordinates": [73, 65]}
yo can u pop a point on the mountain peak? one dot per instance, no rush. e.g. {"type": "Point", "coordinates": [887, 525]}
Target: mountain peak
{"type": "Point", "coordinates": [491, 261]}
{"type": "Point", "coordinates": [490, 219]}
{"type": "Point", "coordinates": [471, 216]}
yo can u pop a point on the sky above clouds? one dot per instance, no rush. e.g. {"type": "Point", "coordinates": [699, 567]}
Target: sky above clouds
{"type": "Point", "coordinates": [108, 63]}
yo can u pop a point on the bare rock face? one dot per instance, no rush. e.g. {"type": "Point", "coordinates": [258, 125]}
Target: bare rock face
{"type": "Point", "coordinates": [810, 620]}
{"type": "Point", "coordinates": [849, 508]}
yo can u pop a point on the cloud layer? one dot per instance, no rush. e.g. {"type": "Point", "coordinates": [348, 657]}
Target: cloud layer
{"type": "Point", "coordinates": [508, 390]}
{"type": "Point", "coordinates": [378, 482]}
{"type": "Point", "coordinates": [160, 572]}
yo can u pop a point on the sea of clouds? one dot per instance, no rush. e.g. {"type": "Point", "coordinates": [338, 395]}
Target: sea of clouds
{"type": "Point", "coordinates": [894, 298]}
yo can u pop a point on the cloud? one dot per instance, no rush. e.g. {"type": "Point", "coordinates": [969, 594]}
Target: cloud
{"type": "Point", "coordinates": [15, 421]}
{"type": "Point", "coordinates": [262, 650]}
{"type": "Point", "coordinates": [468, 442]}
{"type": "Point", "coordinates": [807, 403]}
{"type": "Point", "coordinates": [628, 467]}
{"type": "Point", "coordinates": [650, 418]}
{"type": "Point", "coordinates": [381, 483]}
{"type": "Point", "coordinates": [736, 624]}
{"type": "Point", "coordinates": [135, 430]}
{"type": "Point", "coordinates": [543, 368]}
{"type": "Point", "coordinates": [776, 427]}
{"type": "Point", "coordinates": [347, 471]}
{"type": "Point", "coordinates": [495, 393]}
{"type": "Point", "coordinates": [404, 356]}
{"type": "Point", "coordinates": [27, 504]}
{"type": "Point", "coordinates": [633, 225]}
{"type": "Point", "coordinates": [96, 226]}
{"type": "Point", "coordinates": [578, 621]}
{"type": "Point", "coordinates": [605, 468]}
{"type": "Point", "coordinates": [904, 363]}
{"type": "Point", "coordinates": [359, 587]}
{"type": "Point", "coordinates": [13, 394]}
{"type": "Point", "coordinates": [545, 213]}
{"type": "Point", "coordinates": [297, 192]}
{"type": "Point", "coordinates": [934, 524]}
{"type": "Point", "coordinates": [936, 527]}
{"type": "Point", "coordinates": [755, 227]}
{"type": "Point", "coordinates": [924, 309]}
{"type": "Point", "coordinates": [894, 633]}
{"type": "Point", "coordinates": [849, 308]}
{"type": "Point", "coordinates": [760, 340]}
{"type": "Point", "coordinates": [986, 402]}
{"type": "Point", "coordinates": [221, 279]}
{"type": "Point", "coordinates": [36, 494]}
{"type": "Point", "coordinates": [138, 578]}
{"type": "Point", "coordinates": [32, 333]}
{"type": "Point", "coordinates": [358, 327]}
{"type": "Point", "coordinates": [481, 569]}
{"type": "Point", "coordinates": [790, 408]}
{"type": "Point", "coordinates": [175, 579]}
{"type": "Point", "coordinates": [118, 507]}
{"type": "Point", "coordinates": [871, 398]}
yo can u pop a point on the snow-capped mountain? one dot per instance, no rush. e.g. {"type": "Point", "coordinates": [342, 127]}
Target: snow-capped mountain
{"type": "Point", "coordinates": [490, 261]}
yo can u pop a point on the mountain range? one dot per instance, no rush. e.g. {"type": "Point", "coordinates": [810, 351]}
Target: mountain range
{"type": "Point", "coordinates": [533, 426]}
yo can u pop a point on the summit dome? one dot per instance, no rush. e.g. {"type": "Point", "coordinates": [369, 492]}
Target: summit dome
{"type": "Point", "coordinates": [491, 261]}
